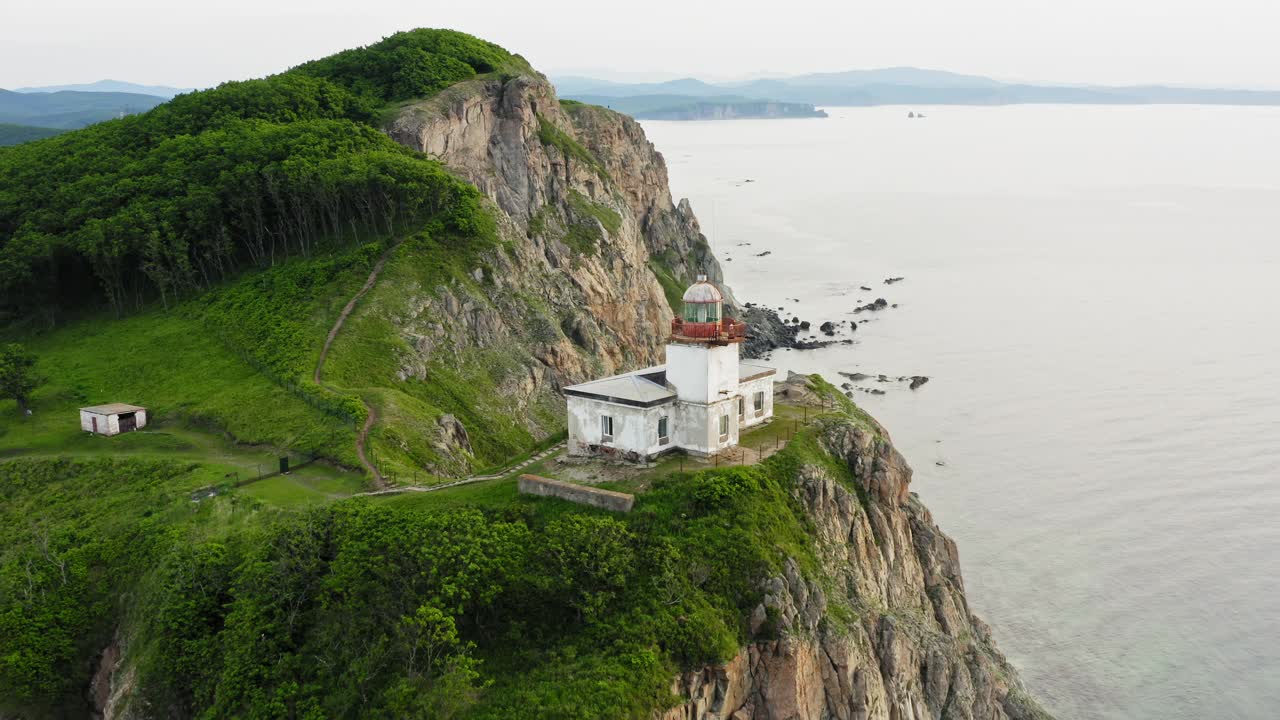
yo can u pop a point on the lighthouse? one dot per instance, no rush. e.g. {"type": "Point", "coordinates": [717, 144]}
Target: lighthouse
{"type": "Point", "coordinates": [700, 401]}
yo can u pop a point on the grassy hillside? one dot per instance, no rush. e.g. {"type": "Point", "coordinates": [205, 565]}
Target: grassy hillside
{"type": "Point", "coordinates": [225, 230]}
{"type": "Point", "coordinates": [235, 361]}
{"type": "Point", "coordinates": [15, 134]}
{"type": "Point", "coordinates": [475, 602]}
{"type": "Point", "coordinates": [193, 259]}
{"type": "Point", "coordinates": [170, 202]}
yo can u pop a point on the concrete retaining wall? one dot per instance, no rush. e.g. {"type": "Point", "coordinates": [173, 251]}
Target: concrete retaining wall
{"type": "Point", "coordinates": [581, 494]}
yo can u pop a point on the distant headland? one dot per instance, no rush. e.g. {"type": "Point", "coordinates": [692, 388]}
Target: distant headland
{"type": "Point", "coordinates": [800, 95]}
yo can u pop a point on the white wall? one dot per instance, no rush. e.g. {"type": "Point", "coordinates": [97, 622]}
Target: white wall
{"type": "Point", "coordinates": [703, 373]}
{"type": "Point", "coordinates": [699, 429]}
{"type": "Point", "coordinates": [635, 429]}
{"type": "Point", "coordinates": [109, 424]}
{"type": "Point", "coordinates": [748, 390]}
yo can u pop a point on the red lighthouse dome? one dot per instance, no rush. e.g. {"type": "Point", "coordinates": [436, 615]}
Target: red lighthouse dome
{"type": "Point", "coordinates": [702, 316]}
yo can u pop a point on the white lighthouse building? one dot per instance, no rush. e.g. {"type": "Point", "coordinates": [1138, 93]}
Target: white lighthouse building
{"type": "Point", "coordinates": [698, 402]}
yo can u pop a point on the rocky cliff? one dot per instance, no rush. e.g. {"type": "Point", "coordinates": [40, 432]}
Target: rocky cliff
{"type": "Point", "coordinates": [882, 629]}
{"type": "Point", "coordinates": [595, 253]}
{"type": "Point", "coordinates": [574, 240]}
{"type": "Point", "coordinates": [599, 248]}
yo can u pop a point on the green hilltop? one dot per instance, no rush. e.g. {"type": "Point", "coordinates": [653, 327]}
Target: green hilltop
{"type": "Point", "coordinates": [193, 259]}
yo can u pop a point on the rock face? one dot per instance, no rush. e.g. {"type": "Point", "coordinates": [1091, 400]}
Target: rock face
{"type": "Point", "coordinates": [596, 248]}
{"type": "Point", "coordinates": [502, 137]}
{"type": "Point", "coordinates": [513, 140]}
{"type": "Point", "coordinates": [886, 632]}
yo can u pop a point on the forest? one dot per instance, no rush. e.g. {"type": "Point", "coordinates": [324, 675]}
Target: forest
{"type": "Point", "coordinates": [399, 608]}
{"type": "Point", "coordinates": [158, 206]}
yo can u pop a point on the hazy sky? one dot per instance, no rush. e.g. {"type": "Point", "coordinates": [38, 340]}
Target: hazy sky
{"type": "Point", "coordinates": [185, 43]}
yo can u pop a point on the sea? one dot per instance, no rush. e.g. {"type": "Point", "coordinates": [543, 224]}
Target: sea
{"type": "Point", "coordinates": [1094, 295]}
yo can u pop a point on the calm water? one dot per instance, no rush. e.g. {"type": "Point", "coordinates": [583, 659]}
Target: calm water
{"type": "Point", "coordinates": [1095, 293]}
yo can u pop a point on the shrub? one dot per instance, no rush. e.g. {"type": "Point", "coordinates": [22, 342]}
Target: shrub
{"type": "Point", "coordinates": [715, 488]}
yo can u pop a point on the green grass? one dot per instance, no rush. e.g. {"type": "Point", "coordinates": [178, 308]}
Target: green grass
{"type": "Point", "coordinates": [173, 365]}
{"type": "Point", "coordinates": [561, 610]}
{"type": "Point", "coordinates": [607, 216]}
{"type": "Point", "coordinates": [672, 288]}
{"type": "Point", "coordinates": [96, 526]}
{"type": "Point", "coordinates": [491, 494]}
{"type": "Point", "coordinates": [587, 217]}
{"type": "Point", "coordinates": [414, 388]}
{"type": "Point", "coordinates": [551, 136]}
{"type": "Point", "coordinates": [305, 486]}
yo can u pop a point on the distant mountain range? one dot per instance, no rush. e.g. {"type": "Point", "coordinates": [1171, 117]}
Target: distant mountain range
{"type": "Point", "coordinates": [113, 86]}
{"type": "Point", "coordinates": [899, 86]}
{"type": "Point", "coordinates": [684, 107]}
{"type": "Point", "coordinates": [69, 110]}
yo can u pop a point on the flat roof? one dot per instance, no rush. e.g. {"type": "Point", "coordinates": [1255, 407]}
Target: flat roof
{"type": "Point", "coordinates": [641, 389]}
{"type": "Point", "coordinates": [633, 388]}
{"type": "Point", "coordinates": [750, 371]}
{"type": "Point", "coordinates": [112, 409]}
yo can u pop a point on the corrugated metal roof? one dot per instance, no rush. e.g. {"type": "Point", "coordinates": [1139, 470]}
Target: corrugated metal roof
{"type": "Point", "coordinates": [112, 409]}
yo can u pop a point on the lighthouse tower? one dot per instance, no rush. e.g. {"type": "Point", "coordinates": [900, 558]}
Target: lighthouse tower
{"type": "Point", "coordinates": [702, 366]}
{"type": "Point", "coordinates": [698, 402]}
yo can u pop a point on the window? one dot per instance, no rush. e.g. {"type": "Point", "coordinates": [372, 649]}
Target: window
{"type": "Point", "coordinates": [701, 312]}
{"type": "Point", "coordinates": [724, 427]}
{"type": "Point", "coordinates": [757, 402]}
{"type": "Point", "coordinates": [663, 438]}
{"type": "Point", "coordinates": [742, 407]}
{"type": "Point", "coordinates": [606, 428]}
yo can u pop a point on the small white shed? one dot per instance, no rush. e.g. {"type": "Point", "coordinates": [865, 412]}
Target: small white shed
{"type": "Point", "coordinates": [113, 418]}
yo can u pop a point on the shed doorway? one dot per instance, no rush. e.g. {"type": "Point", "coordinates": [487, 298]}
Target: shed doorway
{"type": "Point", "coordinates": [128, 422]}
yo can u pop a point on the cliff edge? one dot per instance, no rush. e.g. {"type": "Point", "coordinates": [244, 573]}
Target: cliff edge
{"type": "Point", "coordinates": [880, 627]}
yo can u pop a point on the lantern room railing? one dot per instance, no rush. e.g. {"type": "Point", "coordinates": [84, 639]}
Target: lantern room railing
{"type": "Point", "coordinates": [726, 330]}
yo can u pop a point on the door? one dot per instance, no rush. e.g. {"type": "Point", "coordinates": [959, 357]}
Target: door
{"type": "Point", "coordinates": [128, 422]}
{"type": "Point", "coordinates": [95, 424]}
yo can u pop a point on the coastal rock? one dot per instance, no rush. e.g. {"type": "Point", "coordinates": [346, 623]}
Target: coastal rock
{"type": "Point", "coordinates": [597, 312]}
{"type": "Point", "coordinates": [907, 646]}
{"type": "Point", "coordinates": [917, 381]}
{"type": "Point", "coordinates": [767, 331]}
{"type": "Point", "coordinates": [878, 304]}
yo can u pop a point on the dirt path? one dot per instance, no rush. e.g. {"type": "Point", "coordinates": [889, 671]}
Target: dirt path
{"type": "Point", "coordinates": [372, 416]}
{"type": "Point", "coordinates": [473, 479]}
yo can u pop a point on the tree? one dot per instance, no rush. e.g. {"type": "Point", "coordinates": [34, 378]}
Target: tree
{"type": "Point", "coordinates": [17, 374]}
